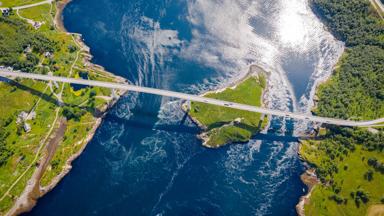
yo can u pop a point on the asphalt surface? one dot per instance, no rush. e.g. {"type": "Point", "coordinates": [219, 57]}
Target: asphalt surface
{"type": "Point", "coordinates": [189, 97]}
{"type": "Point", "coordinates": [30, 5]}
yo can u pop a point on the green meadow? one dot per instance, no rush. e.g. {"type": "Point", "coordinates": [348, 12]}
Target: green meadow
{"type": "Point", "coordinates": [25, 48]}
{"type": "Point", "coordinates": [225, 125]}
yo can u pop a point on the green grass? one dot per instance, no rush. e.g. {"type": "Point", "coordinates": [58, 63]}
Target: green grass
{"type": "Point", "coordinates": [220, 121]}
{"type": "Point", "coordinates": [14, 3]}
{"type": "Point", "coordinates": [23, 97]}
{"type": "Point", "coordinates": [39, 14]}
{"type": "Point", "coordinates": [348, 178]}
{"type": "Point", "coordinates": [23, 145]}
{"type": "Point", "coordinates": [355, 91]}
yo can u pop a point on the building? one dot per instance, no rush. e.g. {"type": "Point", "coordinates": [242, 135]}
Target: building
{"type": "Point", "coordinates": [28, 49]}
{"type": "Point", "coordinates": [48, 54]}
{"type": "Point", "coordinates": [27, 127]}
{"type": "Point", "coordinates": [5, 11]}
{"type": "Point", "coordinates": [32, 115]}
{"type": "Point", "coordinates": [37, 25]}
{"type": "Point", "coordinates": [22, 117]}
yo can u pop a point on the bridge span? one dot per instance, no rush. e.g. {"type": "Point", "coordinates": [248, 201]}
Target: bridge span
{"type": "Point", "coordinates": [190, 97]}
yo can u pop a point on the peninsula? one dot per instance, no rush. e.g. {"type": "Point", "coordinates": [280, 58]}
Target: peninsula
{"type": "Point", "coordinates": [44, 125]}
{"type": "Point", "coordinates": [349, 162]}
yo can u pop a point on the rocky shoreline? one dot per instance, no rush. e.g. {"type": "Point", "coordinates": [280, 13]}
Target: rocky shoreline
{"type": "Point", "coordinates": [310, 179]}
{"type": "Point", "coordinates": [33, 191]}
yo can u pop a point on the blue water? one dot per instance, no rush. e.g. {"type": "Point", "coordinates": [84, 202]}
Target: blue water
{"type": "Point", "coordinates": [145, 158]}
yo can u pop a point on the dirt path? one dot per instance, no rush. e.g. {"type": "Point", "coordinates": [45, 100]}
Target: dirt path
{"type": "Point", "coordinates": [42, 144]}
{"type": "Point", "coordinates": [32, 192]}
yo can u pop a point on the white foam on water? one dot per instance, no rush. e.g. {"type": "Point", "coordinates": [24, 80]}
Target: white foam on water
{"type": "Point", "coordinates": [117, 153]}
{"type": "Point", "coordinates": [152, 47]}
{"type": "Point", "coordinates": [124, 106]}
{"type": "Point", "coordinates": [225, 39]}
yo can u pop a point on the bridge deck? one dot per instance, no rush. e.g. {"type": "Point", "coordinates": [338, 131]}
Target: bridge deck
{"type": "Point", "coordinates": [173, 94]}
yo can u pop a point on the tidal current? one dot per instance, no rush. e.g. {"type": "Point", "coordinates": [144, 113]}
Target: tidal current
{"type": "Point", "coordinates": [145, 158]}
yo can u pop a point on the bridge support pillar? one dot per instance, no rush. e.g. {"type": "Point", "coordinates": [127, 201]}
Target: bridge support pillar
{"type": "Point", "coordinates": [188, 105]}
{"type": "Point", "coordinates": [114, 95]}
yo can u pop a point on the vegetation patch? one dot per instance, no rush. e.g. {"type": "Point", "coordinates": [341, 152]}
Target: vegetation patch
{"type": "Point", "coordinates": [23, 141]}
{"type": "Point", "coordinates": [349, 165]}
{"type": "Point", "coordinates": [13, 3]}
{"type": "Point", "coordinates": [225, 125]}
{"type": "Point", "coordinates": [349, 161]}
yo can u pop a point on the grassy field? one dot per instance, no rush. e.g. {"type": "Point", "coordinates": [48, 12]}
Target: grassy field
{"type": "Point", "coordinates": [41, 14]}
{"type": "Point", "coordinates": [13, 3]}
{"type": "Point", "coordinates": [348, 176]}
{"type": "Point", "coordinates": [21, 152]}
{"type": "Point", "coordinates": [226, 125]}
{"type": "Point", "coordinates": [350, 161]}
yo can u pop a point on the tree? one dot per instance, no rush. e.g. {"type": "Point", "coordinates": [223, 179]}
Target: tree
{"type": "Point", "coordinates": [71, 48]}
{"type": "Point", "coordinates": [368, 175]}
{"type": "Point", "coordinates": [74, 113]}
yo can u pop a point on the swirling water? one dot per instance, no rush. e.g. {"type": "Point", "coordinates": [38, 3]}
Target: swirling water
{"type": "Point", "coordinates": [145, 159]}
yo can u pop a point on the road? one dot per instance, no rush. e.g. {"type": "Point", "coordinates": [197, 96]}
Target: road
{"type": "Point", "coordinates": [378, 3]}
{"type": "Point", "coordinates": [379, 6]}
{"type": "Point", "coordinates": [30, 5]}
{"type": "Point", "coordinates": [189, 97]}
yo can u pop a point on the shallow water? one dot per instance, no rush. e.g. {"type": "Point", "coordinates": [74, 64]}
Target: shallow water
{"type": "Point", "coordinates": [145, 159]}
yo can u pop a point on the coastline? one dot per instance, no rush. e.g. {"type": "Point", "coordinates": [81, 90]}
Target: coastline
{"type": "Point", "coordinates": [33, 191]}
{"type": "Point", "coordinates": [58, 19]}
{"type": "Point", "coordinates": [254, 70]}
{"type": "Point", "coordinates": [310, 179]}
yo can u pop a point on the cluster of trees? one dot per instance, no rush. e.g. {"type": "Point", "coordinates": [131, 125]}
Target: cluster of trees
{"type": "Point", "coordinates": [340, 141]}
{"type": "Point", "coordinates": [373, 162]}
{"type": "Point", "coordinates": [74, 113]}
{"type": "Point", "coordinates": [351, 21]}
{"type": "Point", "coordinates": [360, 196]}
{"type": "Point", "coordinates": [5, 151]}
{"type": "Point", "coordinates": [15, 37]}
{"type": "Point", "coordinates": [92, 98]}
{"type": "Point", "coordinates": [368, 175]}
{"type": "Point", "coordinates": [356, 90]}
{"type": "Point", "coordinates": [337, 145]}
{"type": "Point", "coordinates": [338, 199]}
{"type": "Point", "coordinates": [348, 137]}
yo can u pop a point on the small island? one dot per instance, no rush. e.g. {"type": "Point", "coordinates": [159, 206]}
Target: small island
{"type": "Point", "coordinates": [223, 125]}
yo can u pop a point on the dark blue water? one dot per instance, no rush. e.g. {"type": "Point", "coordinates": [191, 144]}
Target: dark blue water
{"type": "Point", "coordinates": [145, 159]}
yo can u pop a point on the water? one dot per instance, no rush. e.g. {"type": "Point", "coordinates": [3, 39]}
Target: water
{"type": "Point", "coordinates": [145, 159]}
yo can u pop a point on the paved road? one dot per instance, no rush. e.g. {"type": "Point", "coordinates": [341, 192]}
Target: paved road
{"type": "Point", "coordinates": [378, 6]}
{"type": "Point", "coordinates": [189, 97]}
{"type": "Point", "coordinates": [30, 5]}
{"type": "Point", "coordinates": [381, 5]}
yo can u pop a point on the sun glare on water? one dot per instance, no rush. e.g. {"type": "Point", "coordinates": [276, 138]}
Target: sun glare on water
{"type": "Point", "coordinates": [293, 29]}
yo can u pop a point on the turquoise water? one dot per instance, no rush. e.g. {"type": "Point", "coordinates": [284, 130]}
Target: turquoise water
{"type": "Point", "coordinates": [145, 158]}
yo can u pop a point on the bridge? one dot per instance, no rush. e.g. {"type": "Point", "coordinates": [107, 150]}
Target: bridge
{"type": "Point", "coordinates": [190, 97]}
{"type": "Point", "coordinates": [27, 6]}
